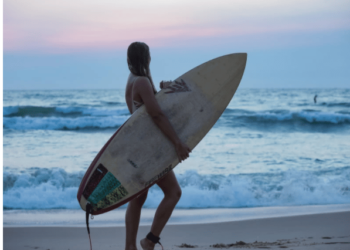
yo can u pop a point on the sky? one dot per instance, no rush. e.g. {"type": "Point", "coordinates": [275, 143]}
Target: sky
{"type": "Point", "coordinates": [81, 44]}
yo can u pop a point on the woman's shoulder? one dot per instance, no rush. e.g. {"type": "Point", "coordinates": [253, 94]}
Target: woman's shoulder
{"type": "Point", "coordinates": [142, 85]}
{"type": "Point", "coordinates": [134, 79]}
{"type": "Point", "coordinates": [142, 80]}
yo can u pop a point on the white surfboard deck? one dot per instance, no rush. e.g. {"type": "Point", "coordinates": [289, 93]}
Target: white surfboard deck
{"type": "Point", "coordinates": [139, 154]}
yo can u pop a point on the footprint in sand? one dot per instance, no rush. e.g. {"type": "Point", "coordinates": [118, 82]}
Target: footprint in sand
{"type": "Point", "coordinates": [184, 245]}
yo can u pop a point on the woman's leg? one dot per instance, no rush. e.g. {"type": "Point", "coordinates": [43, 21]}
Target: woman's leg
{"type": "Point", "coordinates": [172, 194]}
{"type": "Point", "coordinates": [132, 220]}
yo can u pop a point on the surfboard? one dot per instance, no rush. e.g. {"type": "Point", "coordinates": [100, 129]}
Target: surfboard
{"type": "Point", "coordinates": [139, 154]}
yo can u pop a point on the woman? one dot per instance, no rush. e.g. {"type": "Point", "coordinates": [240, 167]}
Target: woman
{"type": "Point", "coordinates": [140, 90]}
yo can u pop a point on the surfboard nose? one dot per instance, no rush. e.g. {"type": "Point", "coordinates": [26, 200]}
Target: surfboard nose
{"type": "Point", "coordinates": [218, 73]}
{"type": "Point", "coordinates": [234, 56]}
{"type": "Point", "coordinates": [237, 60]}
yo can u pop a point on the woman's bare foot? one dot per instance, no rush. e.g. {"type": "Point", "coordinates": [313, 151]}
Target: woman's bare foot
{"type": "Point", "coordinates": [146, 244]}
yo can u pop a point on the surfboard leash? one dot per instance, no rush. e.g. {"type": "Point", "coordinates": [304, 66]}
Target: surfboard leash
{"type": "Point", "coordinates": [88, 211]}
{"type": "Point", "coordinates": [154, 239]}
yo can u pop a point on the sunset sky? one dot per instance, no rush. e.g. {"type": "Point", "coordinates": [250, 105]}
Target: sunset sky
{"type": "Point", "coordinates": [81, 44]}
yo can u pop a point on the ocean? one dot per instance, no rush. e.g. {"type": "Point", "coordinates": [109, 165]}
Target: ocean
{"type": "Point", "coordinates": [270, 148]}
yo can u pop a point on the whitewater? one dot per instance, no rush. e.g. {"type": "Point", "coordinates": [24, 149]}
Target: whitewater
{"type": "Point", "coordinates": [271, 147]}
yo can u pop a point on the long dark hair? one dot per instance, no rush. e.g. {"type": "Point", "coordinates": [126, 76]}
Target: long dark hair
{"type": "Point", "coordinates": [138, 56]}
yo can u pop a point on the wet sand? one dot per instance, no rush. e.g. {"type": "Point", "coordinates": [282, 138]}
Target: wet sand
{"type": "Point", "coordinates": [318, 231]}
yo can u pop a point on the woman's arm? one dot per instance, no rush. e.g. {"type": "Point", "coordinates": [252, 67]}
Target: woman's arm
{"type": "Point", "coordinates": [143, 88]}
{"type": "Point", "coordinates": [126, 98]}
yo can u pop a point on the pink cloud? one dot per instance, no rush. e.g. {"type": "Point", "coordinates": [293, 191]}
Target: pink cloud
{"type": "Point", "coordinates": [65, 26]}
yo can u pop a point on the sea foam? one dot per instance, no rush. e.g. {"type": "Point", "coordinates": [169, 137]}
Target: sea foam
{"type": "Point", "coordinates": [58, 123]}
{"type": "Point", "coordinates": [56, 188]}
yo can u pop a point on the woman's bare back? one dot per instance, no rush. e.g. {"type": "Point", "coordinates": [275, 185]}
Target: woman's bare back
{"type": "Point", "coordinates": [133, 100]}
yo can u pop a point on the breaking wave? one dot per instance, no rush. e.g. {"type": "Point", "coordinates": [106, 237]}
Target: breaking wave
{"type": "Point", "coordinates": [74, 118]}
{"type": "Point", "coordinates": [55, 188]}
{"type": "Point", "coordinates": [34, 111]}
{"type": "Point", "coordinates": [62, 118]}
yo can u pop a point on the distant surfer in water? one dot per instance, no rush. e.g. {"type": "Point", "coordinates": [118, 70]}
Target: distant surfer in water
{"type": "Point", "coordinates": [140, 90]}
{"type": "Point", "coordinates": [315, 99]}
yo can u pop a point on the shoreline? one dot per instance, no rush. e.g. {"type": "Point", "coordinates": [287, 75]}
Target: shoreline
{"type": "Point", "coordinates": [315, 231]}
{"type": "Point", "coordinates": [115, 218]}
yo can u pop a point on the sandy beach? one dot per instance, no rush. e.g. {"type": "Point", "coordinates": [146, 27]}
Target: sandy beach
{"type": "Point", "coordinates": [318, 231]}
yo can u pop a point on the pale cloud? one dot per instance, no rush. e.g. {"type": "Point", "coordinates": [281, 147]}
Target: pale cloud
{"type": "Point", "coordinates": [70, 25]}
